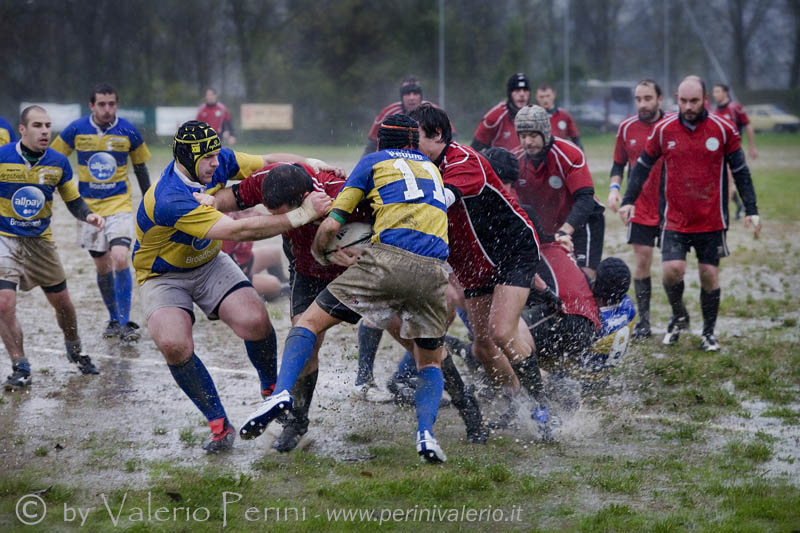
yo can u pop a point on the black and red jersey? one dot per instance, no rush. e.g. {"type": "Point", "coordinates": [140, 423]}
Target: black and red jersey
{"type": "Point", "coordinates": [497, 129]}
{"type": "Point", "coordinates": [549, 188]}
{"type": "Point", "coordinates": [695, 175]}
{"type": "Point", "coordinates": [631, 139]}
{"type": "Point", "coordinates": [300, 238]}
{"type": "Point", "coordinates": [486, 226]}
{"type": "Point", "coordinates": [563, 125]}
{"type": "Point", "coordinates": [562, 274]}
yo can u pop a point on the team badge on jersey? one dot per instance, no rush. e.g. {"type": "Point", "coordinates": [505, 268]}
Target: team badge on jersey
{"type": "Point", "coordinates": [102, 166]}
{"type": "Point", "coordinates": [562, 124]}
{"type": "Point", "coordinates": [555, 182]}
{"type": "Point", "coordinates": [28, 202]}
{"type": "Point", "coordinates": [712, 143]}
{"type": "Point", "coordinates": [633, 142]}
{"type": "Point", "coordinates": [200, 244]}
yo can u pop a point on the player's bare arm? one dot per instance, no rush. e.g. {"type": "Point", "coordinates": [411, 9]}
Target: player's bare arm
{"type": "Point", "coordinates": [325, 235]}
{"type": "Point", "coordinates": [314, 206]}
{"type": "Point", "coordinates": [224, 200]}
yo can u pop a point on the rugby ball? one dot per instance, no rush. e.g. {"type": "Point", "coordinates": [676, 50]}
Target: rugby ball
{"type": "Point", "coordinates": [356, 234]}
{"type": "Point", "coordinates": [351, 234]}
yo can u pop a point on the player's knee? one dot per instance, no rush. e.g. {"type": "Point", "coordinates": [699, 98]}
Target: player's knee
{"type": "Point", "coordinates": [502, 334]}
{"type": "Point", "coordinates": [175, 351]}
{"type": "Point", "coordinates": [8, 304]}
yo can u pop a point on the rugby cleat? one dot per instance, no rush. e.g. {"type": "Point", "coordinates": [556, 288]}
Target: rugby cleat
{"type": "Point", "coordinates": [546, 422]}
{"type": "Point", "coordinates": [112, 329]}
{"type": "Point", "coordinates": [641, 330]}
{"type": "Point", "coordinates": [674, 328]}
{"type": "Point", "coordinates": [129, 333]}
{"type": "Point", "coordinates": [84, 362]}
{"type": "Point", "coordinates": [428, 449]}
{"type": "Point", "coordinates": [403, 391]}
{"type": "Point", "coordinates": [290, 437]}
{"type": "Point", "coordinates": [709, 343]}
{"type": "Point", "coordinates": [270, 409]}
{"type": "Point", "coordinates": [19, 379]}
{"type": "Point", "coordinates": [222, 437]}
{"type": "Point", "coordinates": [371, 393]}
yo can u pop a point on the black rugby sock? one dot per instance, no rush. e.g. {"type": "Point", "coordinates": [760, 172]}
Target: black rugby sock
{"type": "Point", "coordinates": [709, 303]}
{"type": "Point", "coordinates": [302, 394]}
{"type": "Point", "coordinates": [675, 297]}
{"type": "Point", "coordinates": [530, 377]}
{"type": "Point", "coordinates": [643, 289]}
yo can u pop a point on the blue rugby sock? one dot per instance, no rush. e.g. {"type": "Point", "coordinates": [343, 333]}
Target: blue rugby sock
{"type": "Point", "coordinates": [123, 287]}
{"type": "Point", "coordinates": [107, 290]}
{"type": "Point", "coordinates": [296, 353]}
{"type": "Point", "coordinates": [193, 378]}
{"type": "Point", "coordinates": [368, 340]}
{"type": "Point", "coordinates": [407, 368]}
{"type": "Point", "coordinates": [427, 396]}
{"type": "Point", "coordinates": [264, 356]}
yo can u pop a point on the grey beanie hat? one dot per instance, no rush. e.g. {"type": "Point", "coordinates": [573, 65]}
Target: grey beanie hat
{"type": "Point", "coordinates": [533, 118]}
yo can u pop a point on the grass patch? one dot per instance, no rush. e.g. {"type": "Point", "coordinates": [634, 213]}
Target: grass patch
{"type": "Point", "coordinates": [787, 416]}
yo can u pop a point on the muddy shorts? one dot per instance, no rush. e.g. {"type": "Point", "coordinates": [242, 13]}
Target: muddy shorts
{"type": "Point", "coordinates": [30, 262]}
{"type": "Point", "coordinates": [206, 286]}
{"type": "Point", "coordinates": [388, 281]}
{"type": "Point", "coordinates": [118, 226]}
{"type": "Point", "coordinates": [304, 290]}
{"type": "Point", "coordinates": [710, 246]}
{"type": "Point", "coordinates": [644, 235]}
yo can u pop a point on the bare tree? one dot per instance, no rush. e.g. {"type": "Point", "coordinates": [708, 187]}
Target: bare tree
{"type": "Point", "coordinates": [743, 29]}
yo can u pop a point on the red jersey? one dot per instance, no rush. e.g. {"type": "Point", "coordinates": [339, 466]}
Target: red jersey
{"type": "Point", "coordinates": [300, 238]}
{"type": "Point", "coordinates": [241, 252]}
{"type": "Point", "coordinates": [733, 112]}
{"type": "Point", "coordinates": [631, 139]}
{"type": "Point", "coordinates": [695, 170]}
{"type": "Point", "coordinates": [486, 226]}
{"type": "Point", "coordinates": [215, 116]}
{"type": "Point", "coordinates": [563, 125]}
{"type": "Point", "coordinates": [497, 129]}
{"type": "Point", "coordinates": [561, 273]}
{"type": "Point", "coordinates": [549, 189]}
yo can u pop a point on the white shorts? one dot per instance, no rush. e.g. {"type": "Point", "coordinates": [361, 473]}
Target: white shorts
{"type": "Point", "coordinates": [118, 226]}
{"type": "Point", "coordinates": [206, 286]}
{"type": "Point", "coordinates": [30, 262]}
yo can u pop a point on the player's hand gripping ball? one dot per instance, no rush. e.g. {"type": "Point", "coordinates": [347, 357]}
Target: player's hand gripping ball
{"type": "Point", "coordinates": [351, 235]}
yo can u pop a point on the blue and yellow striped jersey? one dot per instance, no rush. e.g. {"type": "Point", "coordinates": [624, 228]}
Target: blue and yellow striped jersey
{"type": "Point", "coordinates": [171, 225]}
{"type": "Point", "coordinates": [405, 191]}
{"type": "Point", "coordinates": [6, 132]}
{"type": "Point", "coordinates": [26, 192]}
{"type": "Point", "coordinates": [103, 161]}
{"type": "Point", "coordinates": [617, 323]}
